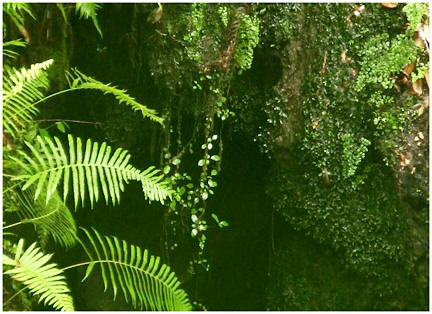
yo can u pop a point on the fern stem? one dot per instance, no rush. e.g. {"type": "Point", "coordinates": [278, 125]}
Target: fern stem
{"type": "Point", "coordinates": [74, 121]}
{"type": "Point", "coordinates": [12, 297]}
{"type": "Point", "coordinates": [83, 264]}
{"type": "Point", "coordinates": [13, 225]}
{"type": "Point", "coordinates": [30, 220]}
{"type": "Point", "coordinates": [53, 95]}
{"type": "Point", "coordinates": [11, 187]}
{"type": "Point", "coordinates": [84, 165]}
{"type": "Point", "coordinates": [118, 263]}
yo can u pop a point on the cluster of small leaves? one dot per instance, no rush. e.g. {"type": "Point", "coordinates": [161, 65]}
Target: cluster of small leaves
{"type": "Point", "coordinates": [420, 72]}
{"type": "Point", "coordinates": [248, 40]}
{"type": "Point", "coordinates": [193, 36]}
{"type": "Point", "coordinates": [204, 62]}
{"type": "Point", "coordinates": [278, 23]}
{"type": "Point", "coordinates": [260, 113]}
{"type": "Point", "coordinates": [224, 15]}
{"type": "Point", "coordinates": [415, 13]}
{"type": "Point", "coordinates": [390, 120]}
{"type": "Point", "coordinates": [353, 153]}
{"type": "Point", "coordinates": [190, 198]}
{"type": "Point", "coordinates": [191, 45]}
{"type": "Point", "coordinates": [309, 277]}
{"type": "Point", "coordinates": [382, 58]}
{"type": "Point", "coordinates": [363, 223]}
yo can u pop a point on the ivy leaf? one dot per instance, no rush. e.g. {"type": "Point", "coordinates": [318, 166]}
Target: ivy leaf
{"type": "Point", "coordinates": [215, 217]}
{"type": "Point", "coordinates": [215, 157]}
{"type": "Point", "coordinates": [61, 127]}
{"type": "Point", "coordinates": [176, 162]}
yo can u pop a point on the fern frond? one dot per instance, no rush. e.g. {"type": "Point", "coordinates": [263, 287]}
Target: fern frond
{"type": "Point", "coordinates": [8, 52]}
{"type": "Point", "coordinates": [44, 280]}
{"type": "Point", "coordinates": [144, 282]}
{"type": "Point", "coordinates": [16, 11]}
{"type": "Point", "coordinates": [21, 88]}
{"type": "Point", "coordinates": [53, 218]}
{"type": "Point", "coordinates": [78, 80]}
{"type": "Point", "coordinates": [93, 169]}
{"type": "Point", "coordinates": [89, 10]}
{"type": "Point", "coordinates": [155, 187]}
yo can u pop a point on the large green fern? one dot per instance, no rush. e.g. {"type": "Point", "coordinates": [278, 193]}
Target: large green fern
{"type": "Point", "coordinates": [16, 11]}
{"type": "Point", "coordinates": [21, 89]}
{"type": "Point", "coordinates": [43, 280]}
{"type": "Point", "coordinates": [144, 282]}
{"type": "Point", "coordinates": [89, 10]}
{"type": "Point", "coordinates": [52, 219]}
{"type": "Point", "coordinates": [78, 80]}
{"type": "Point", "coordinates": [93, 169]}
{"type": "Point", "coordinates": [8, 52]}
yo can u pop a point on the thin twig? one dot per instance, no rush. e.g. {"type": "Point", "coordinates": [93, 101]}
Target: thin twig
{"type": "Point", "coordinates": [74, 121]}
{"type": "Point", "coordinates": [25, 221]}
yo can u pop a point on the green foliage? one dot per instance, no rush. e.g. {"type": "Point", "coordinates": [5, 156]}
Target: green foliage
{"type": "Point", "coordinates": [52, 218]}
{"type": "Point", "coordinates": [40, 171]}
{"type": "Point", "coordinates": [316, 86]}
{"type": "Point", "coordinates": [21, 89]}
{"type": "Point", "coordinates": [17, 11]}
{"type": "Point", "coordinates": [248, 39]}
{"type": "Point", "coordinates": [420, 73]}
{"type": "Point", "coordinates": [381, 58]}
{"type": "Point", "coordinates": [192, 198]}
{"type": "Point", "coordinates": [353, 153]}
{"type": "Point", "coordinates": [415, 13]}
{"type": "Point", "coordinates": [78, 80]}
{"type": "Point", "coordinates": [89, 10]}
{"type": "Point", "coordinates": [363, 223]}
{"type": "Point", "coordinates": [144, 282]}
{"type": "Point", "coordinates": [194, 35]}
{"type": "Point", "coordinates": [325, 121]}
{"type": "Point", "coordinates": [8, 52]}
{"type": "Point", "coordinates": [94, 168]}
{"type": "Point", "coordinates": [44, 280]}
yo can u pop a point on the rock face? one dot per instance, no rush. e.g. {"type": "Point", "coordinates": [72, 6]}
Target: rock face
{"type": "Point", "coordinates": [307, 276]}
{"type": "Point", "coordinates": [336, 169]}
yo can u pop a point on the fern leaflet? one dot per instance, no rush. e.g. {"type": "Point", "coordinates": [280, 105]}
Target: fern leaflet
{"type": "Point", "coordinates": [16, 11]}
{"type": "Point", "coordinates": [78, 80]}
{"type": "Point", "coordinates": [8, 52]}
{"type": "Point", "coordinates": [53, 218]}
{"type": "Point", "coordinates": [89, 10]}
{"type": "Point", "coordinates": [144, 282]}
{"type": "Point", "coordinates": [21, 88]}
{"type": "Point", "coordinates": [94, 168]}
{"type": "Point", "coordinates": [44, 280]}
